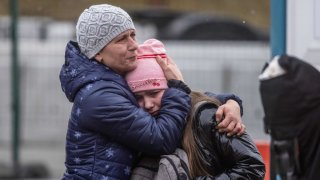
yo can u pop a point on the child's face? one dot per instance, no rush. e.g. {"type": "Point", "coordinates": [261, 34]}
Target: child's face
{"type": "Point", "coordinates": [150, 100]}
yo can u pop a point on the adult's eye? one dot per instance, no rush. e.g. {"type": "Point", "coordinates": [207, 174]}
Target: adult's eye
{"type": "Point", "coordinates": [133, 36]}
{"type": "Point", "coordinates": [121, 39]}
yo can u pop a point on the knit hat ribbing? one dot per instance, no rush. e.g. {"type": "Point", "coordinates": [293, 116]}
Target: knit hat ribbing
{"type": "Point", "coordinates": [98, 25]}
{"type": "Point", "coordinates": [148, 75]}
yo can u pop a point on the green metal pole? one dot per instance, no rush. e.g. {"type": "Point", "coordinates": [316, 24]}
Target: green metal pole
{"type": "Point", "coordinates": [15, 83]}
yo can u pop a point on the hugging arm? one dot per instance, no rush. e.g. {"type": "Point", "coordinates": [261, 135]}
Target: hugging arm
{"type": "Point", "coordinates": [116, 116]}
{"type": "Point", "coordinates": [229, 114]}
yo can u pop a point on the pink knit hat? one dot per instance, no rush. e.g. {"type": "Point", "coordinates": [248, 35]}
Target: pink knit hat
{"type": "Point", "coordinates": [148, 75]}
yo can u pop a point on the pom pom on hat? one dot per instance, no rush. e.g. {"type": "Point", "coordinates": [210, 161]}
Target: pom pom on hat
{"type": "Point", "coordinates": [99, 25]}
{"type": "Point", "coordinates": [148, 75]}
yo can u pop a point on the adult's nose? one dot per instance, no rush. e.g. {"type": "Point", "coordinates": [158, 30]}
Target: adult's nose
{"type": "Point", "coordinates": [133, 44]}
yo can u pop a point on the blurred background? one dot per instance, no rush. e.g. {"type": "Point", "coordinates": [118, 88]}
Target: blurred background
{"type": "Point", "coordinates": [220, 46]}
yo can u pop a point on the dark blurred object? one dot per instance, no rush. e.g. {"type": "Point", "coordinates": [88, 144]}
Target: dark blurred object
{"type": "Point", "coordinates": [174, 25]}
{"type": "Point", "coordinates": [158, 17]}
{"type": "Point", "coordinates": [31, 170]}
{"type": "Point", "coordinates": [291, 102]}
{"type": "Point", "coordinates": [209, 27]}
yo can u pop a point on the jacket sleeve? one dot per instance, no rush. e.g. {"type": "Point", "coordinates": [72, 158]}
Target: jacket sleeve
{"type": "Point", "coordinates": [111, 113]}
{"type": "Point", "coordinates": [223, 98]}
{"type": "Point", "coordinates": [240, 156]}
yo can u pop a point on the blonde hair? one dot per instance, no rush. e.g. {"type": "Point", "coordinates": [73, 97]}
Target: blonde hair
{"type": "Point", "coordinates": [197, 166]}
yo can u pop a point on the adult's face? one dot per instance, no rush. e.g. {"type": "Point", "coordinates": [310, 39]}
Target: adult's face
{"type": "Point", "coordinates": [121, 53]}
{"type": "Point", "coordinates": [150, 100]}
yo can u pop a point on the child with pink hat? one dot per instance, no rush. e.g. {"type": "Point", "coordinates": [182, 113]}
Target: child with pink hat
{"type": "Point", "coordinates": [210, 154]}
{"type": "Point", "coordinates": [148, 74]}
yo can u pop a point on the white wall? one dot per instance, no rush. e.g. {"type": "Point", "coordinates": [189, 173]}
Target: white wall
{"type": "Point", "coordinates": [303, 30]}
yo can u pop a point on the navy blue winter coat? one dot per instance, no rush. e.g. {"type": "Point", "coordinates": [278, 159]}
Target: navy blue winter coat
{"type": "Point", "coordinates": [106, 127]}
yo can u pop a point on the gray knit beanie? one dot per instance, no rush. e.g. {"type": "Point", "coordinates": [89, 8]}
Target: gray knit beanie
{"type": "Point", "coordinates": [98, 25]}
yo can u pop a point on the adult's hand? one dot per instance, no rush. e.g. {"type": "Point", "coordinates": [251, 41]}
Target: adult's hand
{"type": "Point", "coordinates": [170, 69]}
{"type": "Point", "coordinates": [229, 119]}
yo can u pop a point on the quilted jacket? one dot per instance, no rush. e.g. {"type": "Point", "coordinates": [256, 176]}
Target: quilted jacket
{"type": "Point", "coordinates": [225, 157]}
{"type": "Point", "coordinates": [106, 128]}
